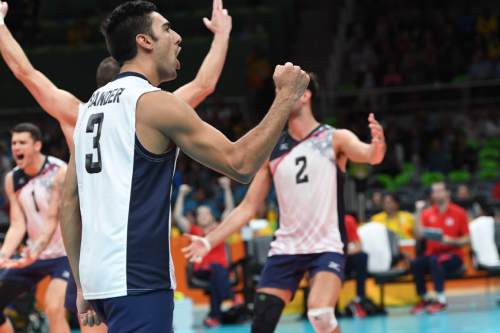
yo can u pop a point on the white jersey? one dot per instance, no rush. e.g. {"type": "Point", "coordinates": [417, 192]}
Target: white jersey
{"type": "Point", "coordinates": [34, 195]}
{"type": "Point", "coordinates": [306, 179]}
{"type": "Point", "coordinates": [124, 193]}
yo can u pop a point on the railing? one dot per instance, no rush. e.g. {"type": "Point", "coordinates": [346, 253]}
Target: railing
{"type": "Point", "coordinates": [457, 96]}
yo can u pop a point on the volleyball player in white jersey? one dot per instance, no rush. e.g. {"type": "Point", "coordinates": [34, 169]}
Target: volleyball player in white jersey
{"type": "Point", "coordinates": [63, 106]}
{"type": "Point", "coordinates": [34, 192]}
{"type": "Point", "coordinates": [116, 203]}
{"type": "Point", "coordinates": [306, 168]}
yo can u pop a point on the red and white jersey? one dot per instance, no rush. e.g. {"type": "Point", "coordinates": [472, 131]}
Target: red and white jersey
{"type": "Point", "coordinates": [307, 180]}
{"type": "Point", "coordinates": [34, 195]}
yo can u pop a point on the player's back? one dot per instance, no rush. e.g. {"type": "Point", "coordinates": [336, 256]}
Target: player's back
{"type": "Point", "coordinates": [308, 187]}
{"type": "Point", "coordinates": [34, 195]}
{"type": "Point", "coordinates": [124, 193]}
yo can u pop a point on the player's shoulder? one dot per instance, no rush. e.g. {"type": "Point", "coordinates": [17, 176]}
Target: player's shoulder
{"type": "Point", "coordinates": [54, 161]}
{"type": "Point", "coordinates": [457, 209]}
{"type": "Point", "coordinates": [17, 178]}
{"type": "Point", "coordinates": [379, 217]}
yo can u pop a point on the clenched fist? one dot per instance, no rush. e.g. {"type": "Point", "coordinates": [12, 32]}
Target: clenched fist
{"type": "Point", "coordinates": [290, 79]}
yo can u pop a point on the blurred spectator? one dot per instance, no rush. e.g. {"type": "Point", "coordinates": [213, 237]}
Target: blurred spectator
{"type": "Point", "coordinates": [445, 228]}
{"type": "Point", "coordinates": [463, 193]}
{"type": "Point", "coordinates": [392, 77]}
{"type": "Point", "coordinates": [438, 157]}
{"type": "Point", "coordinates": [399, 221]}
{"type": "Point", "coordinates": [481, 68]}
{"type": "Point", "coordinates": [356, 265]}
{"type": "Point", "coordinates": [214, 266]}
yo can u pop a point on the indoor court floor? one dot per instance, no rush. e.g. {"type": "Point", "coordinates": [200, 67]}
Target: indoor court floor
{"type": "Point", "coordinates": [465, 315]}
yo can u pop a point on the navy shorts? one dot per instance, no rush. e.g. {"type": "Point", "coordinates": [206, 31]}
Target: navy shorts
{"type": "Point", "coordinates": [286, 271]}
{"type": "Point", "coordinates": [145, 313]}
{"type": "Point", "coordinates": [57, 268]}
{"type": "Point", "coordinates": [70, 300]}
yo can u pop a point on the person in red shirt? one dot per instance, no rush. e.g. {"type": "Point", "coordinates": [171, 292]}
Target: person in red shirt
{"type": "Point", "coordinates": [444, 226]}
{"type": "Point", "coordinates": [214, 266]}
{"type": "Point", "coordinates": [357, 263]}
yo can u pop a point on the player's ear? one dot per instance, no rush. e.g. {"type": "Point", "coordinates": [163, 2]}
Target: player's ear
{"type": "Point", "coordinates": [144, 41]}
{"type": "Point", "coordinates": [38, 146]}
{"type": "Point", "coordinates": [306, 96]}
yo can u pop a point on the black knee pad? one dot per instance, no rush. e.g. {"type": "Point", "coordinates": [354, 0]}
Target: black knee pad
{"type": "Point", "coordinates": [267, 313]}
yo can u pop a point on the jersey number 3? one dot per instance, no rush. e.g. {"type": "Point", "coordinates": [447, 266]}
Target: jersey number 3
{"type": "Point", "coordinates": [91, 165]}
{"type": "Point", "coordinates": [301, 162]}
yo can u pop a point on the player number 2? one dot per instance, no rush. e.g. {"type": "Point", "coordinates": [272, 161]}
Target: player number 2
{"type": "Point", "coordinates": [91, 165]}
{"type": "Point", "coordinates": [301, 162]}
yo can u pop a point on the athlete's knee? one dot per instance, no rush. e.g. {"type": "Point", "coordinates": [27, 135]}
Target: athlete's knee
{"type": "Point", "coordinates": [54, 308]}
{"type": "Point", "coordinates": [267, 313]}
{"type": "Point", "coordinates": [323, 319]}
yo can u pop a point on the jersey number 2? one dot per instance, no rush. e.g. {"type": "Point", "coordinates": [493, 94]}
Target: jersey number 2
{"type": "Point", "coordinates": [302, 163]}
{"type": "Point", "coordinates": [91, 165]}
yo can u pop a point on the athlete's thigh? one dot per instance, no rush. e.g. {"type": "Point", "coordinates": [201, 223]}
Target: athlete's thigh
{"type": "Point", "coordinates": [56, 294]}
{"type": "Point", "coordinates": [325, 290]}
{"type": "Point", "coordinates": [281, 276]}
{"type": "Point", "coordinates": [326, 271]}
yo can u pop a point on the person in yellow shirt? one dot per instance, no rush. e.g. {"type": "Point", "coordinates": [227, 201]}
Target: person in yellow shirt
{"type": "Point", "coordinates": [399, 221]}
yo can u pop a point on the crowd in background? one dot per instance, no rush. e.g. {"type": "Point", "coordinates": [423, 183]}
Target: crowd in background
{"type": "Point", "coordinates": [421, 42]}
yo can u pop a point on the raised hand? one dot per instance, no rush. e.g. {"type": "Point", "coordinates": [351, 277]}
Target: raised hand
{"type": "Point", "coordinates": [184, 189]}
{"type": "Point", "coordinates": [220, 23]}
{"type": "Point", "coordinates": [198, 248]}
{"type": "Point", "coordinates": [290, 78]}
{"type": "Point", "coordinates": [225, 182]}
{"type": "Point", "coordinates": [376, 130]}
{"type": "Point", "coordinates": [4, 8]}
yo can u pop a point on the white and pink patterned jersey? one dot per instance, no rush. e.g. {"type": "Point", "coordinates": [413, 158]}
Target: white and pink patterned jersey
{"type": "Point", "coordinates": [34, 194]}
{"type": "Point", "coordinates": [308, 187]}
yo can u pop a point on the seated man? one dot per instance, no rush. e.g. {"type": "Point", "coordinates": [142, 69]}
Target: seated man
{"type": "Point", "coordinates": [399, 221]}
{"type": "Point", "coordinates": [357, 262]}
{"type": "Point", "coordinates": [445, 227]}
{"type": "Point", "coordinates": [214, 266]}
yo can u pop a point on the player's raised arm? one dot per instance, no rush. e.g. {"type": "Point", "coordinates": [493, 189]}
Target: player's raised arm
{"type": "Point", "coordinates": [209, 73]}
{"type": "Point", "coordinates": [182, 221]}
{"type": "Point", "coordinates": [60, 104]}
{"type": "Point", "coordinates": [241, 215]}
{"type": "Point", "coordinates": [347, 143]}
{"type": "Point", "coordinates": [239, 160]}
{"type": "Point", "coordinates": [17, 227]}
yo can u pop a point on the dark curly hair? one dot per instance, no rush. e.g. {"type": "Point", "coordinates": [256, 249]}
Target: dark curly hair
{"type": "Point", "coordinates": [122, 26]}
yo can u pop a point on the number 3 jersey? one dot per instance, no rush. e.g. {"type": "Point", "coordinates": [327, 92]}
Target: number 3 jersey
{"type": "Point", "coordinates": [309, 190]}
{"type": "Point", "coordinates": [124, 193]}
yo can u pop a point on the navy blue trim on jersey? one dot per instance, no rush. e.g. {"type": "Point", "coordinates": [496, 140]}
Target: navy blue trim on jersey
{"type": "Point", "coordinates": [148, 256]}
{"type": "Point", "coordinates": [126, 74]}
{"type": "Point", "coordinates": [341, 208]}
{"type": "Point", "coordinates": [20, 178]}
{"type": "Point", "coordinates": [286, 143]}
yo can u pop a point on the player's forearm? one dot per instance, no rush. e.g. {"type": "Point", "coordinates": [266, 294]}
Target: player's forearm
{"type": "Point", "coordinates": [44, 239]}
{"type": "Point", "coordinates": [178, 213]}
{"type": "Point", "coordinates": [231, 224]}
{"type": "Point", "coordinates": [211, 68]}
{"type": "Point", "coordinates": [14, 55]}
{"type": "Point", "coordinates": [228, 201]}
{"type": "Point", "coordinates": [376, 153]}
{"type": "Point", "coordinates": [459, 241]}
{"type": "Point", "coordinates": [252, 150]}
{"type": "Point", "coordinates": [71, 228]}
{"type": "Point", "coordinates": [13, 239]}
